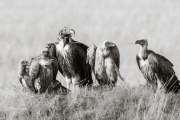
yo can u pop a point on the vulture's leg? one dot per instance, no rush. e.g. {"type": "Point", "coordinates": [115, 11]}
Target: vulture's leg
{"type": "Point", "coordinates": [101, 87]}
{"type": "Point", "coordinates": [68, 82]}
{"type": "Point", "coordinates": [110, 84]}
{"type": "Point", "coordinates": [74, 86]}
{"type": "Point", "coordinates": [75, 81]}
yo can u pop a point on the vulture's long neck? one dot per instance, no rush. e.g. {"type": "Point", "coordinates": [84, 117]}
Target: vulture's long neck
{"type": "Point", "coordinates": [143, 52]}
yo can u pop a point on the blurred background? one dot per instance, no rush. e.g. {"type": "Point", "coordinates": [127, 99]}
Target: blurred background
{"type": "Point", "coordinates": [26, 26]}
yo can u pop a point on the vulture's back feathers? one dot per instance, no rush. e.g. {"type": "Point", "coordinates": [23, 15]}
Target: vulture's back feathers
{"type": "Point", "coordinates": [75, 54]}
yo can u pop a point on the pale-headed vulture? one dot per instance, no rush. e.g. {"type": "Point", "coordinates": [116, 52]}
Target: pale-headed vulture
{"type": "Point", "coordinates": [157, 70]}
{"type": "Point", "coordinates": [23, 73]}
{"type": "Point", "coordinates": [106, 61]}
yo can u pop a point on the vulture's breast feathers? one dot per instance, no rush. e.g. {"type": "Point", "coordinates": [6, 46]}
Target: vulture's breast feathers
{"type": "Point", "coordinates": [45, 62]}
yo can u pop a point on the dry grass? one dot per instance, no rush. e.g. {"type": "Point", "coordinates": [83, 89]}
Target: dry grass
{"type": "Point", "coordinates": [26, 26]}
{"type": "Point", "coordinates": [119, 103]}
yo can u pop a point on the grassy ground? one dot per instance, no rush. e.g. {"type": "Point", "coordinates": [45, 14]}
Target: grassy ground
{"type": "Point", "coordinates": [93, 104]}
{"type": "Point", "coordinates": [26, 26]}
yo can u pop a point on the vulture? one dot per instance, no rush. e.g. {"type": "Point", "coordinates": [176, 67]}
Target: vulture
{"type": "Point", "coordinates": [23, 73]}
{"type": "Point", "coordinates": [42, 71]}
{"type": "Point", "coordinates": [157, 70]}
{"type": "Point", "coordinates": [71, 56]}
{"type": "Point", "coordinates": [56, 87]}
{"type": "Point", "coordinates": [105, 61]}
{"type": "Point", "coordinates": [91, 56]}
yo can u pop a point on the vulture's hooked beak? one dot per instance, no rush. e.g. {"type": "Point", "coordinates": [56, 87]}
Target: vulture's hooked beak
{"type": "Point", "coordinates": [112, 45]}
{"type": "Point", "coordinates": [138, 42]}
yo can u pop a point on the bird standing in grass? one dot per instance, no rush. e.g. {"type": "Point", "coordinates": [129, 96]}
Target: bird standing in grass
{"type": "Point", "coordinates": [157, 70]}
{"type": "Point", "coordinates": [23, 73]}
{"type": "Point", "coordinates": [110, 66]}
{"type": "Point", "coordinates": [105, 60]}
{"type": "Point", "coordinates": [41, 71]}
{"type": "Point", "coordinates": [71, 57]}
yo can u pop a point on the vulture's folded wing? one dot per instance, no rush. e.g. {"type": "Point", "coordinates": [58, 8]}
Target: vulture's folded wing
{"type": "Point", "coordinates": [115, 55]}
{"type": "Point", "coordinates": [138, 61]}
{"type": "Point", "coordinates": [160, 63]}
{"type": "Point", "coordinates": [20, 80]}
{"type": "Point", "coordinates": [55, 68]}
{"type": "Point", "coordinates": [34, 68]}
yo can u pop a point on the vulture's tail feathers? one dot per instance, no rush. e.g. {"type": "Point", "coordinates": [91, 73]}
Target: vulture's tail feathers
{"type": "Point", "coordinates": [172, 85]}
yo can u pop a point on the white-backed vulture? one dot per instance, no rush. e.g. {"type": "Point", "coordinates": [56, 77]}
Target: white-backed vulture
{"type": "Point", "coordinates": [23, 73]}
{"type": "Point", "coordinates": [157, 70]}
{"type": "Point", "coordinates": [111, 68]}
{"type": "Point", "coordinates": [71, 57]}
{"type": "Point", "coordinates": [41, 71]}
{"type": "Point", "coordinates": [106, 61]}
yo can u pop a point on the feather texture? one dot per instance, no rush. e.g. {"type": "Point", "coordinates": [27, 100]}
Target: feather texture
{"type": "Point", "coordinates": [156, 69]}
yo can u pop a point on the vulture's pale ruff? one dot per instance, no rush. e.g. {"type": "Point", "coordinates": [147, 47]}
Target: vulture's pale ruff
{"type": "Point", "coordinates": [157, 70]}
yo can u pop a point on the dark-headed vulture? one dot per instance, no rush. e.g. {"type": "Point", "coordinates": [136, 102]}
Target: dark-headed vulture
{"type": "Point", "coordinates": [56, 87]}
{"type": "Point", "coordinates": [106, 61]}
{"type": "Point", "coordinates": [42, 71]}
{"type": "Point", "coordinates": [71, 57]}
{"type": "Point", "coordinates": [157, 70]}
{"type": "Point", "coordinates": [23, 73]}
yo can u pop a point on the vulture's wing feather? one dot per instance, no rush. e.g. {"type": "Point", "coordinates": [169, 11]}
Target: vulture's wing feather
{"type": "Point", "coordinates": [60, 69]}
{"type": "Point", "coordinates": [34, 68]}
{"type": "Point", "coordinates": [115, 55]}
{"type": "Point", "coordinates": [160, 63]}
{"type": "Point", "coordinates": [75, 54]}
{"type": "Point", "coordinates": [55, 68]}
{"type": "Point", "coordinates": [164, 70]}
{"type": "Point", "coordinates": [60, 57]}
{"type": "Point", "coordinates": [20, 80]}
{"type": "Point", "coordinates": [138, 61]}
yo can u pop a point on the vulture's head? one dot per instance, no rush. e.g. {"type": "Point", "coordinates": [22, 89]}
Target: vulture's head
{"type": "Point", "coordinates": [106, 48]}
{"type": "Point", "coordinates": [142, 42]}
{"type": "Point", "coordinates": [45, 52]}
{"type": "Point", "coordinates": [23, 63]}
{"type": "Point", "coordinates": [91, 53]}
{"type": "Point", "coordinates": [23, 67]}
{"type": "Point", "coordinates": [108, 44]}
{"type": "Point", "coordinates": [52, 49]}
{"type": "Point", "coordinates": [65, 35]}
